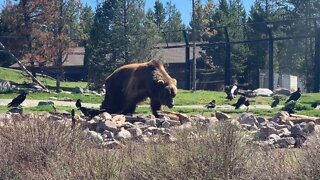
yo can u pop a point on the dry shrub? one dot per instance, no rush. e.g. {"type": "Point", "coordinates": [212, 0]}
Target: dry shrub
{"type": "Point", "coordinates": [220, 152]}
{"type": "Point", "coordinates": [39, 149]}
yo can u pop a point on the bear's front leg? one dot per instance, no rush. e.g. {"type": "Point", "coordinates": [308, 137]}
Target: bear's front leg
{"type": "Point", "coordinates": [155, 106]}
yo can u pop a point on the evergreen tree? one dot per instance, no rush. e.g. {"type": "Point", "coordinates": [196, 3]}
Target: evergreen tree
{"type": "Point", "coordinates": [173, 23]}
{"type": "Point", "coordinates": [159, 14]}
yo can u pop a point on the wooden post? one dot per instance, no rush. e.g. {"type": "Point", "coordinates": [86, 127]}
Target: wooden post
{"type": "Point", "coordinates": [22, 67]}
{"type": "Point", "coordinates": [271, 85]}
{"type": "Point", "coordinates": [227, 63]}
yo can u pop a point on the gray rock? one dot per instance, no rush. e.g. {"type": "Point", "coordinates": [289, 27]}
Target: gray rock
{"type": "Point", "coordinates": [280, 117]}
{"type": "Point", "coordinates": [44, 103]}
{"type": "Point", "coordinates": [222, 116]}
{"type": "Point", "coordinates": [283, 91]}
{"type": "Point", "coordinates": [263, 92]}
{"type": "Point", "coordinates": [198, 118]}
{"type": "Point", "coordinates": [152, 130]}
{"type": "Point", "coordinates": [285, 142]}
{"type": "Point", "coordinates": [273, 137]}
{"type": "Point", "coordinates": [119, 120]}
{"type": "Point", "coordinates": [151, 122]}
{"type": "Point", "coordinates": [95, 136]}
{"type": "Point", "coordinates": [261, 120]}
{"type": "Point", "coordinates": [106, 116]}
{"type": "Point", "coordinates": [108, 134]}
{"type": "Point", "coordinates": [78, 90]}
{"type": "Point", "coordinates": [18, 110]}
{"type": "Point", "coordinates": [5, 86]}
{"type": "Point", "coordinates": [311, 127]}
{"type": "Point", "coordinates": [165, 124]}
{"type": "Point", "coordinates": [266, 132]}
{"type": "Point", "coordinates": [289, 124]}
{"type": "Point", "coordinates": [143, 138]}
{"type": "Point", "coordinates": [266, 145]}
{"type": "Point", "coordinates": [284, 132]}
{"type": "Point", "coordinates": [107, 125]}
{"type": "Point", "coordinates": [248, 118]}
{"type": "Point", "coordinates": [123, 134]}
{"type": "Point", "coordinates": [135, 132]}
{"type": "Point", "coordinates": [296, 130]}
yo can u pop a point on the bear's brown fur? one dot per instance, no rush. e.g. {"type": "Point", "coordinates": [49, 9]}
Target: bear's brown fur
{"type": "Point", "coordinates": [130, 84]}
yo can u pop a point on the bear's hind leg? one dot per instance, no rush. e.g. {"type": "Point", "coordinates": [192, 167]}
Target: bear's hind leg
{"type": "Point", "coordinates": [155, 106]}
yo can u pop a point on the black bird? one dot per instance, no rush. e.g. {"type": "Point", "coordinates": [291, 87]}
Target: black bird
{"type": "Point", "coordinates": [240, 102]}
{"type": "Point", "coordinates": [18, 100]}
{"type": "Point", "coordinates": [88, 111]}
{"type": "Point", "coordinates": [247, 103]}
{"type": "Point", "coordinates": [231, 91]}
{"type": "Point", "coordinates": [211, 104]}
{"type": "Point", "coordinates": [275, 103]}
{"type": "Point", "coordinates": [314, 105]}
{"type": "Point", "coordinates": [294, 96]}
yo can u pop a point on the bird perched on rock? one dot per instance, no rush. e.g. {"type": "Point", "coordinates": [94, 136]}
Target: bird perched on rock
{"type": "Point", "coordinates": [314, 105]}
{"type": "Point", "coordinates": [18, 100]}
{"type": "Point", "coordinates": [74, 119]}
{"type": "Point", "coordinates": [240, 102]}
{"type": "Point", "coordinates": [88, 111]}
{"type": "Point", "coordinates": [211, 104]}
{"type": "Point", "coordinates": [275, 103]}
{"type": "Point", "coordinates": [294, 96]}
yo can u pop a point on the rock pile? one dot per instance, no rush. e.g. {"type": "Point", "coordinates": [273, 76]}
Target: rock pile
{"type": "Point", "coordinates": [113, 131]}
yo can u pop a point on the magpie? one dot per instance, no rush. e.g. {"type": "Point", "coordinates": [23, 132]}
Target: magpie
{"type": "Point", "coordinates": [211, 104]}
{"type": "Point", "coordinates": [294, 96]}
{"type": "Point", "coordinates": [88, 111]}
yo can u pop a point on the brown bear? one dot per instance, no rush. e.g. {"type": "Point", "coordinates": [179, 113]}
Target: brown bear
{"type": "Point", "coordinates": [130, 84]}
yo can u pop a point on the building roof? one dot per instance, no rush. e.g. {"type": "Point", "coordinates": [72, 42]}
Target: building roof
{"type": "Point", "coordinates": [171, 53]}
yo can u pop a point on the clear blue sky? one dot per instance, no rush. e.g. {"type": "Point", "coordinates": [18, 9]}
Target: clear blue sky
{"type": "Point", "coordinates": [184, 6]}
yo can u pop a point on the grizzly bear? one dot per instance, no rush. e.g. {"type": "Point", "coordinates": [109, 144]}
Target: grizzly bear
{"type": "Point", "coordinates": [130, 84]}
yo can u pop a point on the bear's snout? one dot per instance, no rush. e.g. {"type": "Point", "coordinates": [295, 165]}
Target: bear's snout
{"type": "Point", "coordinates": [170, 104]}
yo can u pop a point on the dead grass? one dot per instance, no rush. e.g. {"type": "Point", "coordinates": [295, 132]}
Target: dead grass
{"type": "Point", "coordinates": [40, 149]}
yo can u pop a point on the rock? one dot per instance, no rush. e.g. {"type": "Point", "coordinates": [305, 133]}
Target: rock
{"type": "Point", "coordinates": [65, 99]}
{"type": "Point", "coordinates": [62, 112]}
{"type": "Point", "coordinates": [91, 125]}
{"type": "Point", "coordinates": [280, 117]}
{"type": "Point", "coordinates": [261, 120]}
{"type": "Point", "coordinates": [152, 130]}
{"type": "Point", "coordinates": [211, 120]}
{"type": "Point", "coordinates": [273, 138]}
{"type": "Point", "coordinates": [18, 110]}
{"type": "Point", "coordinates": [284, 132]}
{"type": "Point", "coordinates": [107, 125]}
{"type": "Point", "coordinates": [310, 128]}
{"type": "Point", "coordinates": [108, 134]}
{"type": "Point", "coordinates": [165, 124]}
{"type": "Point", "coordinates": [135, 132]}
{"type": "Point", "coordinates": [266, 145]}
{"type": "Point", "coordinates": [44, 103]}
{"type": "Point", "coordinates": [151, 122]}
{"type": "Point", "coordinates": [283, 91]}
{"type": "Point", "coordinates": [248, 118]}
{"type": "Point", "coordinates": [123, 134]}
{"type": "Point", "coordinates": [296, 130]}
{"type": "Point", "coordinates": [285, 142]}
{"type": "Point", "coordinates": [119, 120]}
{"type": "Point", "coordinates": [5, 86]}
{"type": "Point", "coordinates": [222, 116]}
{"type": "Point", "coordinates": [143, 138]}
{"type": "Point", "coordinates": [263, 92]}
{"type": "Point", "coordinates": [113, 144]}
{"type": "Point", "coordinates": [266, 132]}
{"type": "Point", "coordinates": [289, 124]}
{"type": "Point", "coordinates": [78, 90]}
{"type": "Point", "coordinates": [183, 127]}
{"type": "Point", "coordinates": [106, 116]}
{"type": "Point", "coordinates": [95, 136]}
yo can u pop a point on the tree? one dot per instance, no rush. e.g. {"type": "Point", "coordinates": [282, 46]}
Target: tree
{"type": "Point", "coordinates": [174, 23]}
{"type": "Point", "coordinates": [159, 15]}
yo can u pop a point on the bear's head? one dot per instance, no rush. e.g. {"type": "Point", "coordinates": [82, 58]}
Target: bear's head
{"type": "Point", "coordinates": [167, 92]}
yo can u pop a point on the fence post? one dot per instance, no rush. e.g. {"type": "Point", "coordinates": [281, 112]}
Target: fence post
{"type": "Point", "coordinates": [316, 60]}
{"type": "Point", "coordinates": [187, 64]}
{"type": "Point", "coordinates": [227, 65]}
{"type": "Point", "coordinates": [269, 27]}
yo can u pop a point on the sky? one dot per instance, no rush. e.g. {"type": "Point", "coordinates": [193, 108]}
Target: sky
{"type": "Point", "coordinates": [184, 6]}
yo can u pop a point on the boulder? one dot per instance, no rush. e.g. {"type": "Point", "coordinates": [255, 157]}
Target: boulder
{"type": "Point", "coordinates": [282, 91]}
{"type": "Point", "coordinates": [222, 116]}
{"type": "Point", "coordinates": [44, 103]}
{"type": "Point", "coordinates": [265, 132]}
{"type": "Point", "coordinates": [5, 86]}
{"type": "Point", "coordinates": [78, 90]}
{"type": "Point", "coordinates": [119, 120]}
{"type": "Point", "coordinates": [107, 125]}
{"type": "Point", "coordinates": [249, 119]}
{"type": "Point", "coordinates": [123, 134]}
{"type": "Point", "coordinates": [286, 142]}
{"type": "Point", "coordinates": [263, 92]}
{"type": "Point", "coordinates": [135, 132]}
{"type": "Point", "coordinates": [18, 110]}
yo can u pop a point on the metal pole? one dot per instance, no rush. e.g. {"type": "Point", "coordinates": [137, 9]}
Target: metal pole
{"type": "Point", "coordinates": [269, 27]}
{"type": "Point", "coordinates": [194, 49]}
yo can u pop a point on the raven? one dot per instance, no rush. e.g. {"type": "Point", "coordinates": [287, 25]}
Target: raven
{"type": "Point", "coordinates": [314, 105]}
{"type": "Point", "coordinates": [211, 104]}
{"type": "Point", "coordinates": [294, 96]}
{"type": "Point", "coordinates": [240, 102]}
{"type": "Point", "coordinates": [18, 100]}
{"type": "Point", "coordinates": [275, 103]}
{"type": "Point", "coordinates": [247, 103]}
{"type": "Point", "coordinates": [88, 111]}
